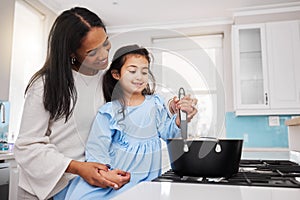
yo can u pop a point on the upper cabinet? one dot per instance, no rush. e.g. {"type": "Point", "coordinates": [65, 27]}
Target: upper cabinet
{"type": "Point", "coordinates": [266, 60]}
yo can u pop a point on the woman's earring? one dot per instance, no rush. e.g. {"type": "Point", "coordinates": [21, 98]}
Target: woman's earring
{"type": "Point", "coordinates": [73, 60]}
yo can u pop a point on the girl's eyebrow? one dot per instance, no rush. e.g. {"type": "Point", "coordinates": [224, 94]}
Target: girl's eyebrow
{"type": "Point", "coordinates": [137, 66]}
{"type": "Point", "coordinates": [98, 46]}
{"type": "Point", "coordinates": [132, 66]}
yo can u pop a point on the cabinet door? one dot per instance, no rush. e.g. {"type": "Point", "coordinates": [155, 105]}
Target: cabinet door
{"type": "Point", "coordinates": [250, 67]}
{"type": "Point", "coordinates": [283, 50]}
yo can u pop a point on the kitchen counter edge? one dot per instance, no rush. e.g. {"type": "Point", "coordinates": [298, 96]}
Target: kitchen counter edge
{"type": "Point", "coordinates": [293, 122]}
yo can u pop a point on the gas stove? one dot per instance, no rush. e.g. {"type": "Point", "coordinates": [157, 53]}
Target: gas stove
{"type": "Point", "coordinates": [266, 173]}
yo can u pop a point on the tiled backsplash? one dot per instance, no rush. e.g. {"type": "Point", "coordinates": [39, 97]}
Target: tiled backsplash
{"type": "Point", "coordinates": [256, 132]}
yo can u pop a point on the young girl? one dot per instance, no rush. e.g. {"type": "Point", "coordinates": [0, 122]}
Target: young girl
{"type": "Point", "coordinates": [127, 130]}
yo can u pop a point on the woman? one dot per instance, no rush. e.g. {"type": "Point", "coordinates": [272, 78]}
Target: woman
{"type": "Point", "coordinates": [62, 99]}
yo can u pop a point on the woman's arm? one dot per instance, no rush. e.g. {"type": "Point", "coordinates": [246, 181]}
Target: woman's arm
{"type": "Point", "coordinates": [41, 164]}
{"type": "Point", "coordinates": [90, 172]}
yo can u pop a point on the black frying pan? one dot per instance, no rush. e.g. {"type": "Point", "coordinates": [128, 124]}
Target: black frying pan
{"type": "Point", "coordinates": [205, 157]}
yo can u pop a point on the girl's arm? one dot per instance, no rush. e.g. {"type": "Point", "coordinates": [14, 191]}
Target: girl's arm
{"type": "Point", "coordinates": [98, 146]}
{"type": "Point", "coordinates": [99, 140]}
{"type": "Point", "coordinates": [167, 125]}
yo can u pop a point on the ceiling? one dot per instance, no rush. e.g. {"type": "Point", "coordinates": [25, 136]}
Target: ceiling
{"type": "Point", "coordinates": [126, 13]}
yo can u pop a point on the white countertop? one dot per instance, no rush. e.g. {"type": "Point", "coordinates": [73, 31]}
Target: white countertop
{"type": "Point", "coordinates": [179, 191]}
{"type": "Point", "coordinates": [283, 154]}
{"type": "Point", "coordinates": [6, 155]}
{"type": "Point", "coordinates": [293, 122]}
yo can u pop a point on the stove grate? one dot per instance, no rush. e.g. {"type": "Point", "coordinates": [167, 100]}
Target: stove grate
{"type": "Point", "coordinates": [251, 173]}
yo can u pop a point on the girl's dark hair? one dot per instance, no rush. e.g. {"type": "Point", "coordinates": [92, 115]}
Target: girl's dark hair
{"type": "Point", "coordinates": [112, 90]}
{"type": "Point", "coordinates": [65, 38]}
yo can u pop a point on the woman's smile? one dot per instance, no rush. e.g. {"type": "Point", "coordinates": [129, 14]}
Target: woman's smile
{"type": "Point", "coordinates": [102, 63]}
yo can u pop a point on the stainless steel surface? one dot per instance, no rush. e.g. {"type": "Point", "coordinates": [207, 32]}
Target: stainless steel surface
{"type": "Point", "coordinates": [183, 121]}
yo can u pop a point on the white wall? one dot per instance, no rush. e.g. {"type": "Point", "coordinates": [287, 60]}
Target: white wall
{"type": "Point", "coordinates": [6, 32]}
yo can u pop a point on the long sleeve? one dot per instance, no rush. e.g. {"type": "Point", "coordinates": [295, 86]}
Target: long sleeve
{"type": "Point", "coordinates": [99, 141]}
{"type": "Point", "coordinates": [166, 125]}
{"type": "Point", "coordinates": [41, 164]}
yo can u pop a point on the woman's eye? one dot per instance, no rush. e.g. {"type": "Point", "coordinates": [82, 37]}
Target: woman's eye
{"type": "Point", "coordinates": [92, 53]}
{"type": "Point", "coordinates": [145, 73]}
{"type": "Point", "coordinates": [132, 71]}
{"type": "Point", "coordinates": [106, 43]}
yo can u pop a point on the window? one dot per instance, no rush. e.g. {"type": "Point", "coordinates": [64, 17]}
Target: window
{"type": "Point", "coordinates": [27, 57]}
{"type": "Point", "coordinates": [194, 63]}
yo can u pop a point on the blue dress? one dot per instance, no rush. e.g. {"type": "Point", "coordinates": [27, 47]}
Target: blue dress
{"type": "Point", "coordinates": [132, 144]}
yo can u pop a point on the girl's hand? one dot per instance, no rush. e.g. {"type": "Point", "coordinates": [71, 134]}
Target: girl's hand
{"type": "Point", "coordinates": [186, 104]}
{"type": "Point", "coordinates": [89, 171]}
{"type": "Point", "coordinates": [117, 176]}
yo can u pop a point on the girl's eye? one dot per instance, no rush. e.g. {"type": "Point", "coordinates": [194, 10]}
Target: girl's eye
{"type": "Point", "coordinates": [132, 71]}
{"type": "Point", "coordinates": [145, 71]}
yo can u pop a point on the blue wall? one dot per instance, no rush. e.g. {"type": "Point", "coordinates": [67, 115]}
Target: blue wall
{"type": "Point", "coordinates": [256, 132]}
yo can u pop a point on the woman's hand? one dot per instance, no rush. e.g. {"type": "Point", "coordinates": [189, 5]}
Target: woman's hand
{"type": "Point", "coordinates": [186, 104]}
{"type": "Point", "coordinates": [89, 171]}
{"type": "Point", "coordinates": [117, 176]}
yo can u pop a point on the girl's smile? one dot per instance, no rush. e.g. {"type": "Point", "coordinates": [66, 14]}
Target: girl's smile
{"type": "Point", "coordinates": [134, 74]}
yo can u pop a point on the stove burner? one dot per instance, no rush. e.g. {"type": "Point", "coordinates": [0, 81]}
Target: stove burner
{"type": "Point", "coordinates": [280, 173]}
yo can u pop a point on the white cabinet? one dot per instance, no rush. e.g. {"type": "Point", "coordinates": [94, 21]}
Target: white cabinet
{"type": "Point", "coordinates": [250, 67]}
{"type": "Point", "coordinates": [284, 64]}
{"type": "Point", "coordinates": [266, 60]}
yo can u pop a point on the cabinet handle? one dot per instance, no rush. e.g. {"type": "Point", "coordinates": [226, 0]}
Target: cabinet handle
{"type": "Point", "coordinates": [266, 95]}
